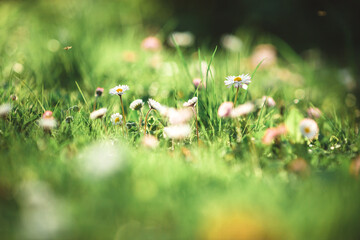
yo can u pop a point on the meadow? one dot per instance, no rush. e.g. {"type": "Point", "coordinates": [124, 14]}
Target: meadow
{"type": "Point", "coordinates": [85, 177]}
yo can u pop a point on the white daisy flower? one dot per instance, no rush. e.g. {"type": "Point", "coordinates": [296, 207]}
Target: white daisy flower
{"type": "Point", "coordinates": [269, 101]}
{"type": "Point", "coordinates": [242, 110]}
{"type": "Point", "coordinates": [119, 90]}
{"type": "Point", "coordinates": [150, 141]}
{"type": "Point", "coordinates": [192, 102]}
{"type": "Point", "coordinates": [180, 116]}
{"type": "Point", "coordinates": [177, 131]}
{"type": "Point", "coordinates": [5, 109]}
{"type": "Point", "coordinates": [47, 123]}
{"type": "Point", "coordinates": [116, 119]}
{"type": "Point", "coordinates": [182, 39]}
{"type": "Point", "coordinates": [137, 104]}
{"type": "Point", "coordinates": [154, 104]}
{"type": "Point", "coordinates": [309, 128]}
{"type": "Point", "coordinates": [242, 81]}
{"type": "Point", "coordinates": [231, 43]}
{"type": "Point", "coordinates": [98, 113]}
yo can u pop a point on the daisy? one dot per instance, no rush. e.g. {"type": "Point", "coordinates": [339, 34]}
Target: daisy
{"type": "Point", "coordinates": [99, 91]}
{"type": "Point", "coordinates": [191, 103]}
{"type": "Point", "coordinates": [273, 133]}
{"type": "Point", "coordinates": [119, 90]}
{"type": "Point", "coordinates": [309, 128]}
{"type": "Point", "coordinates": [313, 112]}
{"type": "Point", "coordinates": [225, 109]}
{"type": "Point", "coordinates": [180, 116]}
{"type": "Point", "coordinates": [98, 113]}
{"type": "Point", "coordinates": [242, 110]}
{"type": "Point", "coordinates": [116, 119]}
{"type": "Point", "coordinates": [47, 121]}
{"type": "Point", "coordinates": [5, 110]}
{"type": "Point", "coordinates": [177, 131]}
{"type": "Point", "coordinates": [47, 114]}
{"type": "Point", "coordinates": [137, 104]}
{"type": "Point", "coordinates": [154, 104]}
{"type": "Point", "coordinates": [269, 101]}
{"type": "Point", "coordinates": [241, 81]}
{"type": "Point", "coordinates": [182, 39]}
{"type": "Point", "coordinates": [150, 142]}
{"type": "Point", "coordinates": [231, 43]}
{"type": "Point", "coordinates": [151, 44]}
{"type": "Point", "coordinates": [198, 83]}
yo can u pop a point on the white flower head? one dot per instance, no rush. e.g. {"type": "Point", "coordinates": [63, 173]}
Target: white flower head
{"type": "Point", "coordinates": [269, 101]}
{"type": "Point", "coordinates": [150, 141]}
{"type": "Point", "coordinates": [101, 159]}
{"type": "Point", "coordinates": [5, 110]}
{"type": "Point", "coordinates": [137, 104]}
{"type": "Point", "coordinates": [242, 81]}
{"type": "Point", "coordinates": [154, 104]}
{"type": "Point", "coordinates": [231, 43]}
{"type": "Point", "coordinates": [242, 110]}
{"type": "Point", "coordinates": [192, 102]}
{"type": "Point", "coordinates": [180, 116]}
{"type": "Point", "coordinates": [47, 123]}
{"type": "Point", "coordinates": [116, 119]}
{"type": "Point", "coordinates": [98, 113]}
{"type": "Point", "coordinates": [177, 131]}
{"type": "Point", "coordinates": [309, 128]}
{"type": "Point", "coordinates": [182, 39]}
{"type": "Point", "coordinates": [119, 90]}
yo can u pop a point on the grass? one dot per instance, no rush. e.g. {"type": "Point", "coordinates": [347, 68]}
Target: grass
{"type": "Point", "coordinates": [231, 183]}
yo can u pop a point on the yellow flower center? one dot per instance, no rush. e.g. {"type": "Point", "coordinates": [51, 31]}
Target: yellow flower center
{"type": "Point", "coordinates": [117, 120]}
{"type": "Point", "coordinates": [237, 79]}
{"type": "Point", "coordinates": [119, 90]}
{"type": "Point", "coordinates": [307, 129]}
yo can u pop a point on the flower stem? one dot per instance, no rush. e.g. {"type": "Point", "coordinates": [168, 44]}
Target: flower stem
{"type": "Point", "coordinates": [95, 103]}
{"type": "Point", "coordinates": [140, 120]}
{"type": "Point", "coordinates": [122, 106]}
{"type": "Point", "coordinates": [146, 117]}
{"type": "Point", "coordinates": [196, 122]}
{"type": "Point", "coordinates": [237, 92]}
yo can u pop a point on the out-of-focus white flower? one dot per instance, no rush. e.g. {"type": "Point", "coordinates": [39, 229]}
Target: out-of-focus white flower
{"type": "Point", "coordinates": [154, 104]}
{"type": "Point", "coordinates": [151, 43]}
{"type": "Point", "coordinates": [242, 110]}
{"type": "Point", "coordinates": [225, 109]}
{"type": "Point", "coordinates": [266, 52]}
{"type": "Point", "coordinates": [150, 141]}
{"type": "Point", "coordinates": [18, 68]}
{"type": "Point", "coordinates": [242, 81]}
{"type": "Point", "coordinates": [192, 102]}
{"type": "Point", "coordinates": [231, 43]}
{"type": "Point", "coordinates": [269, 101]}
{"type": "Point", "coordinates": [101, 159]}
{"type": "Point", "coordinates": [119, 90]}
{"type": "Point", "coordinates": [98, 113]}
{"type": "Point", "coordinates": [309, 128]}
{"type": "Point", "coordinates": [42, 215]}
{"type": "Point", "coordinates": [5, 110]}
{"type": "Point", "coordinates": [116, 119]}
{"type": "Point", "coordinates": [182, 39]}
{"type": "Point", "coordinates": [137, 104]}
{"type": "Point", "coordinates": [179, 116]}
{"type": "Point", "coordinates": [177, 131]}
{"type": "Point", "coordinates": [347, 78]}
{"type": "Point", "coordinates": [313, 112]}
{"type": "Point", "coordinates": [47, 121]}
